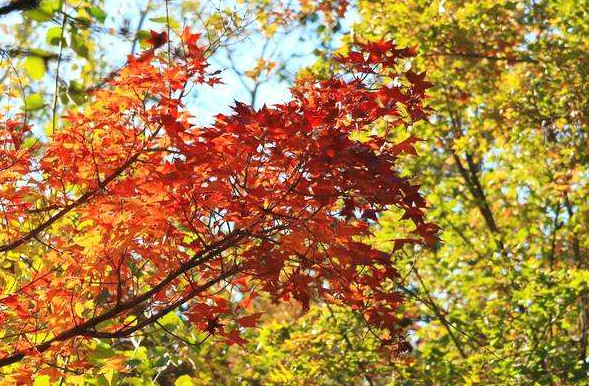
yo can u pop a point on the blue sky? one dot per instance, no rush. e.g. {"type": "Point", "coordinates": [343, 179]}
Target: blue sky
{"type": "Point", "coordinates": [206, 103]}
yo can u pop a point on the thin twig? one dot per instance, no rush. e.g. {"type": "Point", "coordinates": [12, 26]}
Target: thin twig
{"type": "Point", "coordinates": [59, 57]}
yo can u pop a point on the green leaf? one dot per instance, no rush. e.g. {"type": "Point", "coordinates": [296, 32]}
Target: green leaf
{"type": "Point", "coordinates": [54, 35]}
{"type": "Point", "coordinates": [29, 142]}
{"type": "Point", "coordinates": [34, 102]}
{"type": "Point", "coordinates": [63, 97]}
{"type": "Point", "coordinates": [98, 14]}
{"type": "Point", "coordinates": [77, 92]}
{"type": "Point", "coordinates": [38, 15]}
{"type": "Point", "coordinates": [111, 377]}
{"type": "Point", "coordinates": [142, 36]}
{"type": "Point", "coordinates": [164, 20]}
{"type": "Point", "coordinates": [76, 86]}
{"type": "Point", "coordinates": [42, 53]}
{"type": "Point", "coordinates": [102, 351]}
{"type": "Point", "coordinates": [78, 97]}
{"type": "Point", "coordinates": [35, 67]}
{"type": "Point", "coordinates": [160, 19]}
{"type": "Point", "coordinates": [161, 361]}
{"type": "Point", "coordinates": [134, 381]}
{"type": "Point", "coordinates": [102, 381]}
{"type": "Point", "coordinates": [79, 46]}
{"type": "Point", "coordinates": [133, 362]}
{"type": "Point", "coordinates": [170, 319]}
{"type": "Point", "coordinates": [44, 12]}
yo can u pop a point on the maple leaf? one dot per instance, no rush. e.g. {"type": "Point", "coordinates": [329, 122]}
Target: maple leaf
{"type": "Point", "coordinates": [213, 325]}
{"type": "Point", "coordinates": [158, 39]}
{"type": "Point", "coordinates": [400, 243]}
{"type": "Point", "coordinates": [250, 320]}
{"type": "Point", "coordinates": [418, 81]}
{"type": "Point", "coordinates": [407, 146]}
{"type": "Point", "coordinates": [233, 337]}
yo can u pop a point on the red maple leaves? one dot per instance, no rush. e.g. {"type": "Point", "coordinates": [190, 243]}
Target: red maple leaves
{"type": "Point", "coordinates": [135, 211]}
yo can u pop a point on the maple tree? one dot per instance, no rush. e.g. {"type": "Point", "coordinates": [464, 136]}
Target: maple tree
{"type": "Point", "coordinates": [129, 211]}
{"type": "Point", "coordinates": [502, 299]}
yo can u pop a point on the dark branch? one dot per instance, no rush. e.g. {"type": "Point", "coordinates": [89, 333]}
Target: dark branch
{"type": "Point", "coordinates": [19, 5]}
{"type": "Point", "coordinates": [87, 328]}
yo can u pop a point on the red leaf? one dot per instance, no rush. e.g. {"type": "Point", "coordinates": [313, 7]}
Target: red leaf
{"type": "Point", "coordinates": [406, 146]}
{"type": "Point", "coordinates": [157, 39]}
{"type": "Point", "coordinates": [250, 320]}
{"type": "Point", "coordinates": [400, 243]}
{"type": "Point", "coordinates": [233, 337]}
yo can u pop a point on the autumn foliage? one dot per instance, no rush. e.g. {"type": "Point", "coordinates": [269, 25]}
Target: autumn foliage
{"type": "Point", "coordinates": [130, 211]}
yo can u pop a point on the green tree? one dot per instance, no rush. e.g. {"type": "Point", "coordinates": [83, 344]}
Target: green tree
{"type": "Point", "coordinates": [502, 300]}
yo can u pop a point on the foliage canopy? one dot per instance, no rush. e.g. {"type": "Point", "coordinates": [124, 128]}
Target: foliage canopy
{"type": "Point", "coordinates": [501, 298]}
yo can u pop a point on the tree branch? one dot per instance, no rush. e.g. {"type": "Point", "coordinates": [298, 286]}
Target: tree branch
{"type": "Point", "coordinates": [475, 55]}
{"type": "Point", "coordinates": [85, 328]}
{"type": "Point", "coordinates": [66, 209]}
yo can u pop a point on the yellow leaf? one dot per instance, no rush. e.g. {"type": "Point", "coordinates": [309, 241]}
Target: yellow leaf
{"type": "Point", "coordinates": [130, 320]}
{"type": "Point", "coordinates": [79, 308]}
{"type": "Point", "coordinates": [34, 102]}
{"type": "Point", "coordinates": [42, 380]}
{"type": "Point", "coordinates": [184, 380]}
{"type": "Point", "coordinates": [35, 67]}
{"type": "Point", "coordinates": [114, 363]}
{"type": "Point", "coordinates": [89, 241]}
{"type": "Point", "coordinates": [108, 374]}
